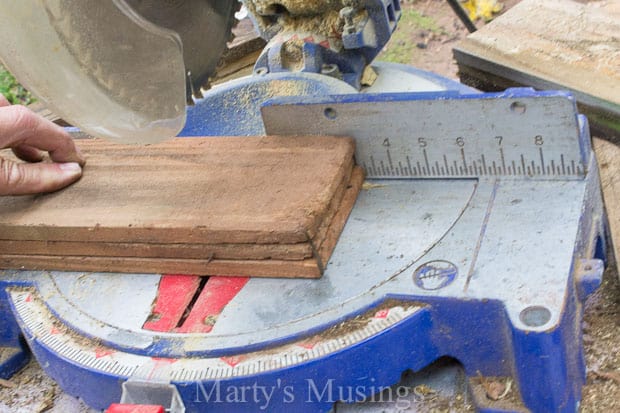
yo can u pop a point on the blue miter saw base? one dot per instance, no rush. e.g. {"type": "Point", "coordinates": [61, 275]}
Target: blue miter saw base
{"type": "Point", "coordinates": [478, 237]}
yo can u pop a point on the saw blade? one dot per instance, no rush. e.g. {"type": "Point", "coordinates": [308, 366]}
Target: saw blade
{"type": "Point", "coordinates": [204, 27]}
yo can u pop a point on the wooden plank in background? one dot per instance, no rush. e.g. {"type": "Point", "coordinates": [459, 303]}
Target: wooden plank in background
{"type": "Point", "coordinates": [551, 44]}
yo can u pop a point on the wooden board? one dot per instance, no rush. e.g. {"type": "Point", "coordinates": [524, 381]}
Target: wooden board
{"type": "Point", "coordinates": [270, 206]}
{"type": "Point", "coordinates": [608, 156]}
{"type": "Point", "coordinates": [551, 44]}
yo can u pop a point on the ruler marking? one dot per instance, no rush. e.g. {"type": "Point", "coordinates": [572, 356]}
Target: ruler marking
{"type": "Point", "coordinates": [420, 170]}
{"type": "Point", "coordinates": [494, 168]}
{"type": "Point", "coordinates": [409, 165]}
{"type": "Point", "coordinates": [428, 166]}
{"type": "Point", "coordinates": [445, 162]}
{"type": "Point", "coordinates": [437, 168]}
{"type": "Point", "coordinates": [389, 157]}
{"type": "Point", "coordinates": [374, 165]}
{"type": "Point", "coordinates": [501, 155]}
{"type": "Point", "coordinates": [484, 165]}
{"type": "Point", "coordinates": [514, 168]}
{"type": "Point", "coordinates": [464, 161]}
{"type": "Point", "coordinates": [572, 167]}
{"type": "Point", "coordinates": [563, 166]}
{"type": "Point", "coordinates": [415, 171]}
{"type": "Point", "coordinates": [401, 170]}
{"type": "Point", "coordinates": [552, 167]}
{"type": "Point", "coordinates": [542, 160]}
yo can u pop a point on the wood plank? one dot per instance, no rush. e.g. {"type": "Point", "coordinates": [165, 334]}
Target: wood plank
{"type": "Point", "coordinates": [193, 190]}
{"type": "Point", "coordinates": [286, 252]}
{"type": "Point", "coordinates": [552, 44]}
{"type": "Point", "coordinates": [326, 248]}
{"type": "Point", "coordinates": [306, 268]}
{"type": "Point", "coordinates": [236, 268]}
{"type": "Point", "coordinates": [319, 190]}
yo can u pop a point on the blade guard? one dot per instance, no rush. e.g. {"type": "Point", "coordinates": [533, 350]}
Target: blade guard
{"type": "Point", "coordinates": [98, 65]}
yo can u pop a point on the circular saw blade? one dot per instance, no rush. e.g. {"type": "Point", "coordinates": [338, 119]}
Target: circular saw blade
{"type": "Point", "coordinates": [204, 27]}
{"type": "Point", "coordinates": [97, 64]}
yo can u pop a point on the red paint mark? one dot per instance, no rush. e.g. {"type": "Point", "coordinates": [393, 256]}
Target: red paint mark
{"type": "Point", "coordinates": [309, 343]}
{"type": "Point", "coordinates": [135, 408]}
{"type": "Point", "coordinates": [382, 313]}
{"type": "Point", "coordinates": [160, 362]}
{"type": "Point", "coordinates": [28, 298]}
{"type": "Point", "coordinates": [174, 295]}
{"type": "Point", "coordinates": [101, 352]}
{"type": "Point", "coordinates": [325, 44]}
{"type": "Point", "coordinates": [54, 330]}
{"type": "Point", "coordinates": [216, 294]}
{"type": "Point", "coordinates": [309, 39]}
{"type": "Point", "coordinates": [232, 361]}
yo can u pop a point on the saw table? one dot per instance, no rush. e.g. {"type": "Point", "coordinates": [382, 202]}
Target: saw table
{"type": "Point", "coordinates": [476, 238]}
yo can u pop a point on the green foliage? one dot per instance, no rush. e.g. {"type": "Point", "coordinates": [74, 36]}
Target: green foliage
{"type": "Point", "coordinates": [13, 91]}
{"type": "Point", "coordinates": [401, 46]}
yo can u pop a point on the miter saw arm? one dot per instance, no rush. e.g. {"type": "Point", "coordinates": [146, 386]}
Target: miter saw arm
{"type": "Point", "coordinates": [334, 38]}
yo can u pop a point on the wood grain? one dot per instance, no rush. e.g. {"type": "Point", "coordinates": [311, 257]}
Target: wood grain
{"type": "Point", "coordinates": [270, 206]}
{"type": "Point", "coordinates": [551, 44]}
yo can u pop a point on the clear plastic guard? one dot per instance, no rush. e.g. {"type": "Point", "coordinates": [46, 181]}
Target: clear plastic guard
{"type": "Point", "coordinates": [98, 65]}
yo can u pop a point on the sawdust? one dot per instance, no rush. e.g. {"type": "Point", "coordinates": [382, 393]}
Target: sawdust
{"type": "Point", "coordinates": [298, 16]}
{"type": "Point", "coordinates": [360, 321]}
{"type": "Point", "coordinates": [292, 55]}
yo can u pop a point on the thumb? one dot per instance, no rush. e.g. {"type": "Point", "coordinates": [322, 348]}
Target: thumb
{"type": "Point", "coordinates": [4, 101]}
{"type": "Point", "coordinates": [25, 179]}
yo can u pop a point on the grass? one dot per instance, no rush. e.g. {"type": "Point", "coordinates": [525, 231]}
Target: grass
{"type": "Point", "coordinates": [401, 46]}
{"type": "Point", "coordinates": [12, 90]}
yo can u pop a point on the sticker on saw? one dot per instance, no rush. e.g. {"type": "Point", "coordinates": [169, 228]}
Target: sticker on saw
{"type": "Point", "coordinates": [435, 275]}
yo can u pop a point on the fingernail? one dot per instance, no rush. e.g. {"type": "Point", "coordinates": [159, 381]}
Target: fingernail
{"type": "Point", "coordinates": [70, 167]}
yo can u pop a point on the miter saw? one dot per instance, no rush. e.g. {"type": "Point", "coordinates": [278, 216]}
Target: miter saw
{"type": "Point", "coordinates": [477, 238]}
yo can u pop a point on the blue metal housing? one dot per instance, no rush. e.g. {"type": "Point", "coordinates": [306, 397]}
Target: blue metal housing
{"type": "Point", "coordinates": [547, 366]}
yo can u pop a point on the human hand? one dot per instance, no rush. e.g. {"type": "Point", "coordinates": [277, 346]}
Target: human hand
{"type": "Point", "coordinates": [29, 135]}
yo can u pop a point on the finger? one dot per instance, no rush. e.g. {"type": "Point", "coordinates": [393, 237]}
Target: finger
{"type": "Point", "coordinates": [28, 153]}
{"type": "Point", "coordinates": [21, 126]}
{"type": "Point", "coordinates": [4, 101]}
{"type": "Point", "coordinates": [24, 179]}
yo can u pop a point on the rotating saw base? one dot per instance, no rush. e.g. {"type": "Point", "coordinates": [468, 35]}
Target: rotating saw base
{"type": "Point", "coordinates": [487, 269]}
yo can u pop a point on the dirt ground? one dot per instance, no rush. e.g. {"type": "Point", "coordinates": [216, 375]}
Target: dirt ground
{"type": "Point", "coordinates": [426, 34]}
